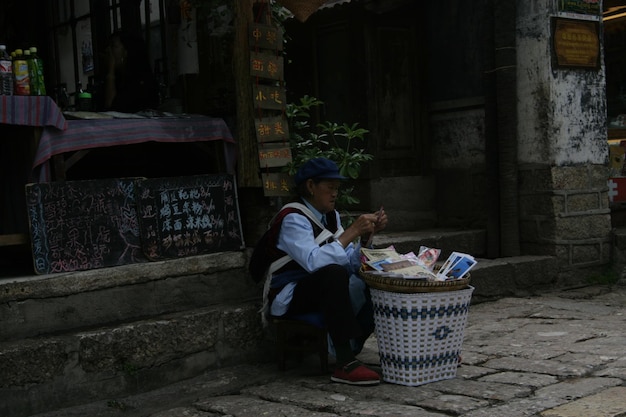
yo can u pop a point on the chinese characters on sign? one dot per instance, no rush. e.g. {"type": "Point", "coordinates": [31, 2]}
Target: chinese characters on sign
{"type": "Point", "coordinates": [186, 216]}
{"type": "Point", "coordinates": [266, 65]}
{"type": "Point", "coordinates": [277, 184]}
{"type": "Point", "coordinates": [269, 97]}
{"type": "Point", "coordinates": [272, 129]}
{"type": "Point", "coordinates": [576, 43]}
{"type": "Point", "coordinates": [266, 37]}
{"type": "Point", "coordinates": [274, 155]}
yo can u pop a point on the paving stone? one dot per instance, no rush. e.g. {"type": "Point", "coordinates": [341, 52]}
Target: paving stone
{"type": "Point", "coordinates": [479, 389]}
{"type": "Point", "coordinates": [244, 406]}
{"type": "Point", "coordinates": [333, 402]}
{"type": "Point", "coordinates": [612, 346]}
{"type": "Point", "coordinates": [608, 403]}
{"type": "Point", "coordinates": [582, 359]}
{"type": "Point", "coordinates": [611, 371]}
{"type": "Point", "coordinates": [490, 328]}
{"type": "Point", "coordinates": [527, 351]}
{"type": "Point", "coordinates": [384, 392]}
{"type": "Point", "coordinates": [183, 412]}
{"type": "Point", "coordinates": [471, 356]}
{"type": "Point", "coordinates": [574, 388]}
{"type": "Point", "coordinates": [453, 404]}
{"type": "Point", "coordinates": [473, 372]}
{"type": "Point", "coordinates": [557, 332]}
{"type": "Point", "coordinates": [295, 394]}
{"type": "Point", "coordinates": [385, 409]}
{"type": "Point", "coordinates": [521, 378]}
{"type": "Point", "coordinates": [589, 308]}
{"type": "Point", "coordinates": [525, 407]}
{"type": "Point", "coordinates": [538, 366]}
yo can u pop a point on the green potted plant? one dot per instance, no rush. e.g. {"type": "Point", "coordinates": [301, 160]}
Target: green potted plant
{"type": "Point", "coordinates": [338, 142]}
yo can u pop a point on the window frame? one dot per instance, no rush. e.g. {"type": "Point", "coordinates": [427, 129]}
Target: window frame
{"type": "Point", "coordinates": [101, 17]}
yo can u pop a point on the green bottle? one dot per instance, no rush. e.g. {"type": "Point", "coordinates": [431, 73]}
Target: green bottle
{"type": "Point", "coordinates": [37, 84]}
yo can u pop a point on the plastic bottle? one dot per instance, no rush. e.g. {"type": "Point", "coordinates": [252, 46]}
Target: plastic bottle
{"type": "Point", "coordinates": [6, 72]}
{"type": "Point", "coordinates": [37, 84]}
{"type": "Point", "coordinates": [21, 74]}
{"type": "Point", "coordinates": [82, 99]}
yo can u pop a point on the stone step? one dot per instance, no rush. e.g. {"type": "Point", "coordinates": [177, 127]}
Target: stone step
{"type": "Point", "coordinates": [56, 371]}
{"type": "Point", "coordinates": [50, 304]}
{"type": "Point", "coordinates": [472, 242]}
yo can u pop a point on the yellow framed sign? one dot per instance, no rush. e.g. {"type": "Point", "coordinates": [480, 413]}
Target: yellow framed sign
{"type": "Point", "coordinates": [576, 43]}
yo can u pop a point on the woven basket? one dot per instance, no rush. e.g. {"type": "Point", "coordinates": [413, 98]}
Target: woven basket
{"type": "Point", "coordinates": [302, 9]}
{"type": "Point", "coordinates": [409, 286]}
{"type": "Point", "coordinates": [420, 335]}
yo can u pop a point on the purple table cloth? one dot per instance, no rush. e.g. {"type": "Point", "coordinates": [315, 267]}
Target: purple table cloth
{"type": "Point", "coordinates": [90, 134]}
{"type": "Point", "coordinates": [39, 111]}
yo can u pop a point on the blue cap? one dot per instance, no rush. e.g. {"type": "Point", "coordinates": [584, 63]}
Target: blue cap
{"type": "Point", "coordinates": [320, 168]}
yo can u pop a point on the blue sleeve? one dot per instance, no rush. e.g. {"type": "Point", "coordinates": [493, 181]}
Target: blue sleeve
{"type": "Point", "coordinates": [297, 239]}
{"type": "Point", "coordinates": [354, 251]}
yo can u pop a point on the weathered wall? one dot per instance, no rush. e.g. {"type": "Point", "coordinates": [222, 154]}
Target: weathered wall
{"type": "Point", "coordinates": [562, 112]}
{"type": "Point", "coordinates": [562, 151]}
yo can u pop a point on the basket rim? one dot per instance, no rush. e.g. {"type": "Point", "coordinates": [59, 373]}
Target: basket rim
{"type": "Point", "coordinates": [402, 285]}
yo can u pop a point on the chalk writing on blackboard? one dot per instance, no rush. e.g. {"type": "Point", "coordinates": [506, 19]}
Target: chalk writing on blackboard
{"type": "Point", "coordinates": [185, 216]}
{"type": "Point", "coordinates": [81, 225]}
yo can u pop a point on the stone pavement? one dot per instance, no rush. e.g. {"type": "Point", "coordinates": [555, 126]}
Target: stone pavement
{"type": "Point", "coordinates": [561, 354]}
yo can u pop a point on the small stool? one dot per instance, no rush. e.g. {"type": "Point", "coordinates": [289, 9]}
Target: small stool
{"type": "Point", "coordinates": [305, 333]}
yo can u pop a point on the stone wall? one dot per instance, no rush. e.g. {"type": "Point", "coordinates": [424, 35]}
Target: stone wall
{"type": "Point", "coordinates": [564, 213]}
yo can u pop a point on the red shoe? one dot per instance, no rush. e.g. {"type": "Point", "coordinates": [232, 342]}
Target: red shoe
{"type": "Point", "coordinates": [355, 373]}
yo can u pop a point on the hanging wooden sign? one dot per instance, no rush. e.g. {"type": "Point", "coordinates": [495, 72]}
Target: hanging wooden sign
{"type": "Point", "coordinates": [277, 184]}
{"type": "Point", "coordinates": [272, 155]}
{"type": "Point", "coordinates": [272, 129]}
{"type": "Point", "coordinates": [266, 65]}
{"type": "Point", "coordinates": [266, 37]}
{"type": "Point", "coordinates": [269, 97]}
{"type": "Point", "coordinates": [272, 132]}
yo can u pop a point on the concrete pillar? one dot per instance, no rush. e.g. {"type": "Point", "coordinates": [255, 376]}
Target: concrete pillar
{"type": "Point", "coordinates": [562, 150]}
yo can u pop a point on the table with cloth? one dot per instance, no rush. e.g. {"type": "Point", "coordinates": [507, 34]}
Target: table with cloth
{"type": "Point", "coordinates": [63, 148]}
{"type": "Point", "coordinates": [22, 121]}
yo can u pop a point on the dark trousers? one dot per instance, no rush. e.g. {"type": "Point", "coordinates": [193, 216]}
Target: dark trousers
{"type": "Point", "coordinates": [327, 291]}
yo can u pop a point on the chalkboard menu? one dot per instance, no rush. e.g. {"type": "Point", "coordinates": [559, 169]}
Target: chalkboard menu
{"type": "Point", "coordinates": [185, 216]}
{"type": "Point", "coordinates": [80, 225]}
